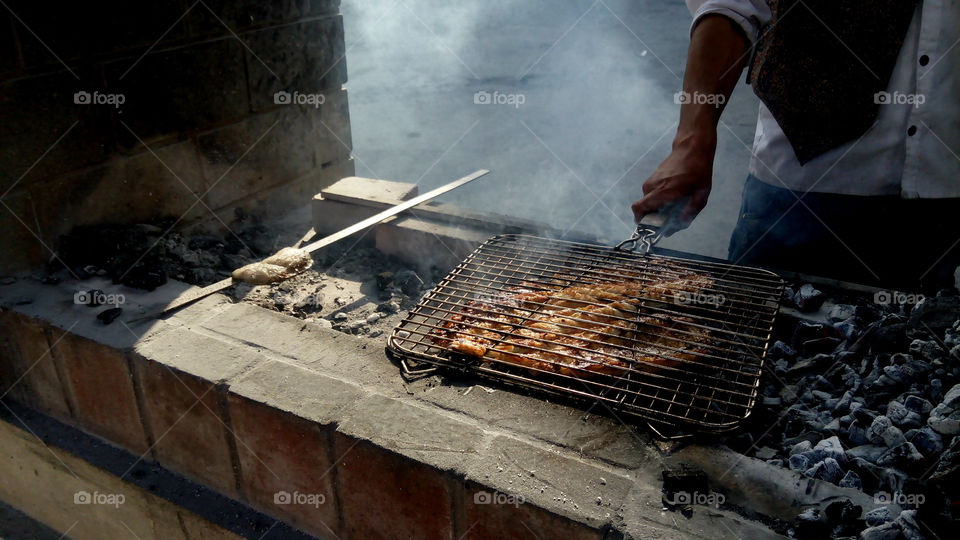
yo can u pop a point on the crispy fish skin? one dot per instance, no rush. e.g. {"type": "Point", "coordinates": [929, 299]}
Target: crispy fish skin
{"type": "Point", "coordinates": [580, 330]}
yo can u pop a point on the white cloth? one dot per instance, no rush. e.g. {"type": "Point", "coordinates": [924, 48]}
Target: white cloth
{"type": "Point", "coordinates": [886, 160]}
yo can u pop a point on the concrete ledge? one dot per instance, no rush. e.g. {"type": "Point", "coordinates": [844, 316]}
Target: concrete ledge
{"type": "Point", "coordinates": [255, 404]}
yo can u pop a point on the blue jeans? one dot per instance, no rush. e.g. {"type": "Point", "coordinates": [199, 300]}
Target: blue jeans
{"type": "Point", "coordinates": [886, 241]}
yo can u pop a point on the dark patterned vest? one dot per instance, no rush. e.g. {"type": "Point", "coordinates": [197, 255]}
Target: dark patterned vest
{"type": "Point", "coordinates": [819, 64]}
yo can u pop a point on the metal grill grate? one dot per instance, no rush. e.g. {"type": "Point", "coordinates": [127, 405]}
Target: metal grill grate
{"type": "Point", "coordinates": [668, 340]}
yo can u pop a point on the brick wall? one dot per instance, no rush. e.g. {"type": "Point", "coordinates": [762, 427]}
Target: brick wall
{"type": "Point", "coordinates": [199, 132]}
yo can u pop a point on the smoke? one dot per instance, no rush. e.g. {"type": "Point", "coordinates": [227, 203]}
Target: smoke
{"type": "Point", "coordinates": [570, 104]}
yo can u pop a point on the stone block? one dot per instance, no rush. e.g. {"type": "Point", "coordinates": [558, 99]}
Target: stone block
{"type": "Point", "coordinates": [305, 57]}
{"type": "Point", "coordinates": [40, 116]}
{"type": "Point", "coordinates": [427, 244]}
{"type": "Point", "coordinates": [166, 184]}
{"type": "Point", "coordinates": [371, 192]}
{"type": "Point", "coordinates": [385, 495]}
{"type": "Point", "coordinates": [422, 434]}
{"type": "Point", "coordinates": [173, 92]}
{"type": "Point", "coordinates": [286, 466]}
{"type": "Point", "coordinates": [100, 29]}
{"type": "Point", "coordinates": [300, 391]}
{"type": "Point", "coordinates": [495, 515]}
{"type": "Point", "coordinates": [32, 372]}
{"type": "Point", "coordinates": [100, 390]}
{"type": "Point", "coordinates": [178, 373]}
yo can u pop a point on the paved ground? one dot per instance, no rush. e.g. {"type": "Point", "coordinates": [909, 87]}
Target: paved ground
{"type": "Point", "coordinates": [596, 80]}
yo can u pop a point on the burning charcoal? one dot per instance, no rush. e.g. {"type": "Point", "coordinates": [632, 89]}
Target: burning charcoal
{"type": "Point", "coordinates": [882, 431]}
{"type": "Point", "coordinates": [107, 316]}
{"type": "Point", "coordinates": [851, 480]}
{"type": "Point", "coordinates": [935, 389]}
{"type": "Point", "coordinates": [814, 364]}
{"type": "Point", "coordinates": [841, 312]}
{"type": "Point", "coordinates": [887, 531]}
{"type": "Point", "coordinates": [810, 524]}
{"type": "Point", "coordinates": [904, 456]}
{"type": "Point", "coordinates": [896, 374]}
{"type": "Point", "coordinates": [389, 307]}
{"type": "Point", "coordinates": [828, 470]}
{"type": "Point", "coordinates": [808, 298]}
{"type": "Point", "coordinates": [944, 420]}
{"type": "Point", "coordinates": [849, 328]}
{"type": "Point", "coordinates": [833, 426]}
{"type": "Point", "coordinates": [908, 524]}
{"type": "Point", "coordinates": [799, 462]}
{"type": "Point", "coordinates": [779, 350]}
{"type": "Point", "coordinates": [930, 350]}
{"type": "Point", "coordinates": [384, 280]}
{"type": "Point", "coordinates": [918, 405]}
{"type": "Point", "coordinates": [843, 403]}
{"type": "Point", "coordinates": [842, 511]}
{"type": "Point", "coordinates": [951, 337]}
{"type": "Point", "coordinates": [409, 282]}
{"type": "Point", "coordinates": [926, 440]}
{"type": "Point", "coordinates": [821, 384]}
{"type": "Point", "coordinates": [878, 516]}
{"type": "Point", "coordinates": [868, 452]}
{"type": "Point", "coordinates": [831, 448]}
{"type": "Point", "coordinates": [801, 447]}
{"type": "Point", "coordinates": [902, 417]}
{"type": "Point", "coordinates": [856, 434]}
{"type": "Point", "coordinates": [916, 369]}
{"type": "Point", "coordinates": [863, 416]}
{"type": "Point", "coordinates": [936, 314]}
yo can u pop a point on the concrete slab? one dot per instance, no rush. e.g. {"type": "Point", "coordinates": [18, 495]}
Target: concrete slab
{"type": "Point", "coordinates": [369, 191]}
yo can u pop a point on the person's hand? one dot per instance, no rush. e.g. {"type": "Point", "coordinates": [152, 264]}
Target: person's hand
{"type": "Point", "coordinates": [682, 183]}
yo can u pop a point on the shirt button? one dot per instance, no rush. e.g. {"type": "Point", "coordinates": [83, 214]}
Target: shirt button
{"type": "Point", "coordinates": [911, 130]}
{"type": "Point", "coordinates": [924, 60]}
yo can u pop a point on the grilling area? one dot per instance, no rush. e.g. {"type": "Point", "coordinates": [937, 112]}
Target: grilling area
{"type": "Point", "coordinates": [434, 370]}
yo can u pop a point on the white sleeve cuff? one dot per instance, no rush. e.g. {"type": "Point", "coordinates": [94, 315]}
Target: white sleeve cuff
{"type": "Point", "coordinates": [749, 15]}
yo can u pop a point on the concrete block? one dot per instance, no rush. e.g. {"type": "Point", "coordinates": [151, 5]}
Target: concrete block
{"type": "Point", "coordinates": [370, 192]}
{"type": "Point", "coordinates": [305, 57]}
{"type": "Point", "coordinates": [496, 515]}
{"type": "Point", "coordinates": [68, 495]}
{"type": "Point", "coordinates": [100, 390]}
{"type": "Point", "coordinates": [166, 183]}
{"type": "Point", "coordinates": [37, 111]}
{"type": "Point", "coordinates": [300, 391]}
{"type": "Point", "coordinates": [426, 244]}
{"type": "Point", "coordinates": [33, 373]}
{"type": "Point", "coordinates": [286, 466]}
{"type": "Point", "coordinates": [425, 435]}
{"type": "Point", "coordinates": [332, 216]}
{"type": "Point", "coordinates": [554, 480]}
{"type": "Point", "coordinates": [177, 373]}
{"type": "Point", "coordinates": [177, 91]}
{"type": "Point", "coordinates": [385, 495]}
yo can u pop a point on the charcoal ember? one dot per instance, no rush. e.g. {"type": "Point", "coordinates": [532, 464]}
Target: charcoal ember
{"type": "Point", "coordinates": [384, 280]}
{"type": "Point", "coordinates": [822, 384]}
{"type": "Point", "coordinates": [808, 298]}
{"type": "Point", "coordinates": [869, 452]}
{"type": "Point", "coordinates": [904, 456]}
{"type": "Point", "coordinates": [833, 426]}
{"type": "Point", "coordinates": [812, 436]}
{"type": "Point", "coordinates": [780, 349]}
{"type": "Point", "coordinates": [851, 480]}
{"type": "Point", "coordinates": [107, 316]}
{"type": "Point", "coordinates": [843, 511]}
{"type": "Point", "coordinates": [814, 364]}
{"type": "Point", "coordinates": [936, 314]}
{"type": "Point", "coordinates": [930, 350]}
{"type": "Point", "coordinates": [916, 368]}
{"type": "Point", "coordinates": [944, 420]}
{"type": "Point", "coordinates": [799, 462]}
{"type": "Point", "coordinates": [907, 521]}
{"type": "Point", "coordinates": [935, 390]}
{"type": "Point", "coordinates": [918, 404]}
{"type": "Point", "coordinates": [810, 524]}
{"type": "Point", "coordinates": [889, 336]}
{"type": "Point", "coordinates": [887, 531]}
{"type": "Point", "coordinates": [951, 337]}
{"type": "Point", "coordinates": [896, 374]}
{"type": "Point", "coordinates": [870, 475]}
{"type": "Point", "coordinates": [801, 447]}
{"type": "Point", "coordinates": [882, 431]}
{"type": "Point", "coordinates": [827, 470]}
{"type": "Point", "coordinates": [780, 367]}
{"type": "Point", "coordinates": [902, 417]}
{"type": "Point", "coordinates": [842, 405]}
{"type": "Point", "coordinates": [831, 448]}
{"type": "Point", "coordinates": [878, 516]}
{"type": "Point", "coordinates": [389, 307]}
{"type": "Point", "coordinates": [952, 398]}
{"type": "Point", "coordinates": [849, 328]}
{"type": "Point", "coordinates": [789, 394]}
{"type": "Point", "coordinates": [856, 434]}
{"type": "Point", "coordinates": [926, 440]}
{"type": "Point", "coordinates": [807, 332]}
{"type": "Point", "coordinates": [408, 281]}
{"type": "Point", "coordinates": [841, 312]}
{"type": "Point", "coordinates": [787, 296]}
{"type": "Point", "coordinates": [819, 395]}
{"type": "Point", "coordinates": [863, 415]}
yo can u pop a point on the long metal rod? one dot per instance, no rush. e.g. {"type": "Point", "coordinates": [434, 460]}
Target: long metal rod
{"type": "Point", "coordinates": [196, 294]}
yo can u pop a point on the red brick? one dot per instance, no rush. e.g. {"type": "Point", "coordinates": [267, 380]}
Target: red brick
{"type": "Point", "coordinates": [505, 520]}
{"type": "Point", "coordinates": [185, 423]}
{"type": "Point", "coordinates": [31, 370]}
{"type": "Point", "coordinates": [100, 390]}
{"type": "Point", "coordinates": [282, 452]}
{"type": "Point", "coordinates": [385, 495]}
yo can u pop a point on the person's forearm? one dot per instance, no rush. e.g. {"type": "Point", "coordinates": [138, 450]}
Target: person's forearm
{"type": "Point", "coordinates": [718, 53]}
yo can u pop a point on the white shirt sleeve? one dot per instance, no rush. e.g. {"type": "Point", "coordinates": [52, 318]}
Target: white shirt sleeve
{"type": "Point", "coordinates": [750, 15]}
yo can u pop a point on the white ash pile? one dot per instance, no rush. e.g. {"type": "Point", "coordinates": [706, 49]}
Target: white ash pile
{"type": "Point", "coordinates": [866, 398]}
